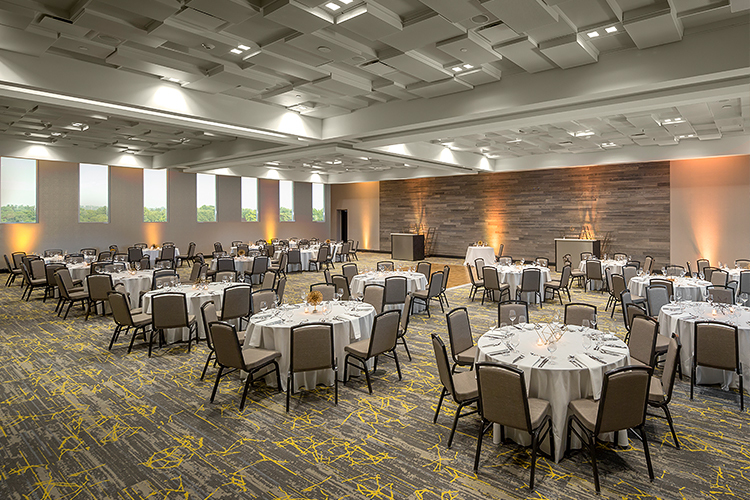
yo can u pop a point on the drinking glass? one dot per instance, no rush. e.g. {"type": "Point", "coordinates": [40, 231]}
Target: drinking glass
{"type": "Point", "coordinates": [521, 319]}
{"type": "Point", "coordinates": [515, 341]}
{"type": "Point", "coordinates": [593, 321]}
{"type": "Point", "coordinates": [512, 317]}
{"type": "Point", "coordinates": [552, 347]}
{"type": "Point", "coordinates": [263, 306]}
{"type": "Point", "coordinates": [585, 324]}
{"type": "Point", "coordinates": [586, 341]}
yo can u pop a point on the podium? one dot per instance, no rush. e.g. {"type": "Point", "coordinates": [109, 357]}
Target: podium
{"type": "Point", "coordinates": [407, 246]}
{"type": "Point", "coordinates": [574, 247]}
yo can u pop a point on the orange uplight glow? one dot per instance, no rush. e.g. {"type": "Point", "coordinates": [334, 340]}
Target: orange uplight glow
{"type": "Point", "coordinates": [153, 232]}
{"type": "Point", "coordinates": [23, 237]}
{"type": "Point", "coordinates": [269, 229]}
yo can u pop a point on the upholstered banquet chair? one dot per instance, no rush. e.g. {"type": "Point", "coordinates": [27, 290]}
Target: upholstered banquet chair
{"type": "Point", "coordinates": [716, 345]}
{"type": "Point", "coordinates": [463, 350]}
{"type": "Point", "coordinates": [382, 342]}
{"type": "Point", "coordinates": [126, 319]}
{"type": "Point", "coordinates": [311, 348]}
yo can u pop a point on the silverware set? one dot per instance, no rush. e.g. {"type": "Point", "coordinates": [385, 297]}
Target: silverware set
{"type": "Point", "coordinates": [575, 362]}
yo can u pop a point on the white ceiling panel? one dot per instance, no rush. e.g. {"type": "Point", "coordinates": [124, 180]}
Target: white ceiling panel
{"type": "Point", "coordinates": [480, 76]}
{"type": "Point", "coordinates": [569, 51]}
{"type": "Point", "coordinates": [296, 16]}
{"type": "Point", "coordinates": [423, 31]}
{"type": "Point", "coordinates": [227, 10]}
{"type": "Point", "coordinates": [158, 10]}
{"type": "Point", "coordinates": [525, 54]}
{"type": "Point", "coordinates": [522, 16]}
{"type": "Point", "coordinates": [33, 43]}
{"type": "Point", "coordinates": [652, 25]}
{"type": "Point", "coordinates": [372, 21]}
{"type": "Point", "coordinates": [444, 87]}
{"type": "Point", "coordinates": [454, 10]}
{"type": "Point", "coordinates": [416, 65]}
{"type": "Point", "coordinates": [469, 48]}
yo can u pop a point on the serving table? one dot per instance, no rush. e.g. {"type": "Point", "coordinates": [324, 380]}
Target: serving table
{"type": "Point", "coordinates": [352, 321]}
{"type": "Point", "coordinates": [572, 374]}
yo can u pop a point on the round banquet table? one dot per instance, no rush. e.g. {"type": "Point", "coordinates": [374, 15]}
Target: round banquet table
{"type": "Point", "coordinates": [559, 381]}
{"type": "Point", "coordinates": [474, 252]}
{"type": "Point", "coordinates": [684, 288]}
{"type": "Point", "coordinates": [154, 253]}
{"type": "Point", "coordinates": [512, 276]}
{"type": "Point", "coordinates": [414, 282]}
{"type": "Point", "coordinates": [272, 329]}
{"type": "Point", "coordinates": [134, 283]}
{"type": "Point", "coordinates": [679, 319]}
{"type": "Point", "coordinates": [241, 264]}
{"type": "Point", "coordinates": [614, 266]}
{"type": "Point", "coordinates": [196, 297]}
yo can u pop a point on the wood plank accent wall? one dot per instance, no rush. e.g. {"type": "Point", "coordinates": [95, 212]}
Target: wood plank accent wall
{"type": "Point", "coordinates": [527, 210]}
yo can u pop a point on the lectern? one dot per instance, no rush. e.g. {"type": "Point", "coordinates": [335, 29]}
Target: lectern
{"type": "Point", "coordinates": [407, 246]}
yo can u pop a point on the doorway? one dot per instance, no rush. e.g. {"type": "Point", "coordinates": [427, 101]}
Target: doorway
{"type": "Point", "coordinates": [343, 217]}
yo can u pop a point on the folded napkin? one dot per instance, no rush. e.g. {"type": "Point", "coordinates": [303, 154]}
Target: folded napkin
{"type": "Point", "coordinates": [595, 372]}
{"type": "Point", "coordinates": [274, 321]}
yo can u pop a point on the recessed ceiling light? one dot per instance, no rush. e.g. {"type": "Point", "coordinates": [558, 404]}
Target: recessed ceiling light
{"type": "Point", "coordinates": [208, 46]}
{"type": "Point", "coordinates": [236, 51]}
{"type": "Point", "coordinates": [56, 134]}
{"type": "Point", "coordinates": [299, 108]}
{"type": "Point", "coordinates": [726, 106]}
{"type": "Point", "coordinates": [686, 136]}
{"type": "Point", "coordinates": [672, 121]}
{"type": "Point", "coordinates": [468, 66]}
{"type": "Point", "coordinates": [611, 29]}
{"type": "Point", "coordinates": [464, 49]}
{"type": "Point", "coordinates": [608, 144]}
{"type": "Point", "coordinates": [407, 165]}
{"type": "Point", "coordinates": [346, 2]}
{"type": "Point", "coordinates": [583, 133]}
{"type": "Point", "coordinates": [514, 141]}
{"type": "Point", "coordinates": [80, 125]}
{"type": "Point", "coordinates": [243, 47]}
{"type": "Point", "coordinates": [81, 47]}
{"type": "Point", "coordinates": [593, 34]}
{"type": "Point", "coordinates": [173, 80]}
{"type": "Point", "coordinates": [480, 19]}
{"type": "Point", "coordinates": [457, 69]}
{"type": "Point", "coordinates": [333, 6]}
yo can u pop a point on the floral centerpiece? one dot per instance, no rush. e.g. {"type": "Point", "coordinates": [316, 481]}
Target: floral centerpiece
{"type": "Point", "coordinates": [328, 241]}
{"type": "Point", "coordinates": [241, 252]}
{"type": "Point", "coordinates": [314, 298]}
{"type": "Point", "coordinates": [153, 246]}
{"type": "Point", "coordinates": [480, 243]}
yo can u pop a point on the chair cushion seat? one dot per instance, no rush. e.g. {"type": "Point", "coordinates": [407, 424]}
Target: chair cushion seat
{"type": "Point", "coordinates": [191, 319]}
{"type": "Point", "coordinates": [78, 295]}
{"type": "Point", "coordinates": [577, 272]}
{"type": "Point", "coordinates": [141, 319]}
{"type": "Point", "coordinates": [552, 284]}
{"type": "Point", "coordinates": [655, 391]}
{"type": "Point", "coordinates": [358, 349]}
{"type": "Point", "coordinates": [421, 294]}
{"type": "Point", "coordinates": [258, 357]}
{"type": "Point", "coordinates": [39, 281]}
{"type": "Point", "coordinates": [586, 411]}
{"type": "Point", "coordinates": [468, 356]}
{"type": "Point", "coordinates": [538, 409]}
{"type": "Point", "coordinates": [241, 337]}
{"type": "Point", "coordinates": [478, 282]}
{"type": "Point", "coordinates": [465, 385]}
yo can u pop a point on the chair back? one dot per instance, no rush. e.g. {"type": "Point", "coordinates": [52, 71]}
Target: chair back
{"type": "Point", "coordinates": [350, 271]}
{"type": "Point", "coordinates": [504, 308]}
{"type": "Point", "coordinates": [642, 338]}
{"type": "Point", "coordinates": [135, 254]}
{"type": "Point", "coordinates": [230, 276]}
{"type": "Point", "coordinates": [702, 265]}
{"type": "Point", "coordinates": [719, 277]}
{"type": "Point", "coordinates": [293, 257]}
{"type": "Point", "coordinates": [587, 255]}
{"type": "Point", "coordinates": [327, 276]}
{"type": "Point", "coordinates": [663, 282]}
{"type": "Point", "coordinates": [384, 332]}
{"type": "Point", "coordinates": [164, 264]}
{"type": "Point", "coordinates": [169, 310]}
{"type": "Point", "coordinates": [628, 273]}
{"type": "Point", "coordinates": [459, 331]}
{"type": "Point", "coordinates": [242, 249]}
{"type": "Point", "coordinates": [631, 311]}
{"type": "Point", "coordinates": [479, 266]}
{"type": "Point", "coordinates": [104, 256]}
{"type": "Point", "coordinates": [341, 285]}
{"type": "Point", "coordinates": [674, 270]}
{"type": "Point", "coordinates": [491, 278]}
{"type": "Point", "coordinates": [618, 285]}
{"type": "Point", "coordinates": [565, 276]}
{"type": "Point", "coordinates": [37, 269]}
{"type": "Point", "coordinates": [218, 247]}
{"type": "Point", "coordinates": [721, 294]}
{"type": "Point", "coordinates": [269, 280]}
{"type": "Point", "coordinates": [99, 286]}
{"type": "Point", "coordinates": [530, 280]}
{"type": "Point", "coordinates": [443, 365]}
{"type": "Point", "coordinates": [648, 264]}
{"type": "Point", "coordinates": [502, 395]}
{"type": "Point", "coordinates": [575, 313]}
{"type": "Point", "coordinates": [280, 286]}
{"type": "Point", "coordinates": [385, 265]}
{"type": "Point", "coordinates": [446, 272]}
{"type": "Point", "coordinates": [226, 345]}
{"type": "Point", "coordinates": [542, 261]}
{"type": "Point", "coordinates": [436, 284]}
{"type": "Point", "coordinates": [311, 347]}
{"type": "Point", "coordinates": [594, 270]}
{"type": "Point", "coordinates": [236, 301]}
{"type": "Point", "coordinates": [259, 297]}
{"type": "Point", "coordinates": [405, 314]}
{"type": "Point", "coordinates": [744, 282]}
{"type": "Point", "coordinates": [670, 368]}
{"type": "Point", "coordinates": [260, 265]}
{"type": "Point", "coordinates": [17, 256]}
{"type": "Point", "coordinates": [118, 302]}
{"type": "Point", "coordinates": [195, 272]}
{"type": "Point", "coordinates": [624, 399]}
{"type": "Point", "coordinates": [716, 345]}
{"type": "Point", "coordinates": [163, 277]}
{"type": "Point", "coordinates": [167, 252]}
{"type": "Point", "coordinates": [49, 271]}
{"type": "Point", "coordinates": [657, 296]}
{"type": "Point", "coordinates": [374, 295]}
{"type": "Point", "coordinates": [208, 315]}
{"type": "Point", "coordinates": [326, 289]}
{"type": "Point", "coordinates": [88, 252]}
{"type": "Point", "coordinates": [505, 261]}
{"type": "Point", "coordinates": [395, 290]}
{"type": "Point", "coordinates": [191, 250]}
{"type": "Point", "coordinates": [424, 268]}
{"type": "Point", "coordinates": [226, 264]}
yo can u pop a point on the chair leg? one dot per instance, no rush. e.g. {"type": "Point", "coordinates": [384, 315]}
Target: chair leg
{"type": "Point", "coordinates": [115, 334]}
{"type": "Point", "coordinates": [592, 450]}
{"type": "Point", "coordinates": [398, 366]}
{"type": "Point", "coordinates": [455, 423]}
{"type": "Point", "coordinates": [648, 455]}
{"type": "Point", "coordinates": [742, 390]}
{"type": "Point", "coordinates": [692, 381]}
{"type": "Point", "coordinates": [248, 381]}
{"type": "Point", "coordinates": [482, 430]}
{"type": "Point", "coordinates": [216, 384]}
{"type": "Point", "coordinates": [440, 402]}
{"type": "Point", "coordinates": [288, 389]}
{"type": "Point", "coordinates": [208, 360]}
{"type": "Point", "coordinates": [668, 415]}
{"type": "Point", "coordinates": [406, 347]}
{"type": "Point", "coordinates": [367, 375]}
{"type": "Point", "coordinates": [278, 375]}
{"type": "Point", "coordinates": [534, 445]}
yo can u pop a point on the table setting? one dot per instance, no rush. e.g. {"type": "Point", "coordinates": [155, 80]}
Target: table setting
{"type": "Point", "coordinates": [685, 287]}
{"type": "Point", "coordinates": [679, 317]}
{"type": "Point", "coordinates": [560, 362]}
{"type": "Point", "coordinates": [270, 329]}
{"type": "Point", "coordinates": [513, 274]}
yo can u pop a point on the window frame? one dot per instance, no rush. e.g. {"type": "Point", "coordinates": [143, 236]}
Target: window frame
{"type": "Point", "coordinates": [36, 191]}
{"type": "Point", "coordinates": [291, 185]}
{"type": "Point", "coordinates": [242, 198]}
{"type": "Point", "coordinates": [215, 205]}
{"type": "Point", "coordinates": [312, 199]}
{"type": "Point", "coordinates": [109, 194]}
{"type": "Point", "coordinates": [166, 195]}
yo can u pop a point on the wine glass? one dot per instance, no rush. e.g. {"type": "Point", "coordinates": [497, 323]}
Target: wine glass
{"type": "Point", "coordinates": [743, 298]}
{"type": "Point", "coordinates": [586, 341]}
{"type": "Point", "coordinates": [512, 317]}
{"type": "Point", "coordinates": [521, 319]}
{"type": "Point", "coordinates": [593, 321]}
{"type": "Point", "coordinates": [137, 266]}
{"type": "Point", "coordinates": [515, 341]}
{"type": "Point", "coordinates": [341, 293]}
{"type": "Point", "coordinates": [585, 324]}
{"type": "Point", "coordinates": [552, 347]}
{"type": "Point", "coordinates": [263, 306]}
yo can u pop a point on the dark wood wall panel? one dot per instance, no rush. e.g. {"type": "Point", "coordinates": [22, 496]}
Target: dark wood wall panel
{"type": "Point", "coordinates": [527, 210]}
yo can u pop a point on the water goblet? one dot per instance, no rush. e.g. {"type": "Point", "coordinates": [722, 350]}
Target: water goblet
{"type": "Point", "coordinates": [593, 321]}
{"type": "Point", "coordinates": [521, 319]}
{"type": "Point", "coordinates": [263, 306]}
{"type": "Point", "coordinates": [552, 347]}
{"type": "Point", "coordinates": [512, 317]}
{"type": "Point", "coordinates": [585, 324]}
{"type": "Point", "coordinates": [586, 341]}
{"type": "Point", "coordinates": [515, 341]}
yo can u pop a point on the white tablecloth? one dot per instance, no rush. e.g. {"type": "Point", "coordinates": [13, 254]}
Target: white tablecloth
{"type": "Point", "coordinates": [241, 264]}
{"type": "Point", "coordinates": [414, 282]}
{"type": "Point", "coordinates": [486, 253]}
{"type": "Point", "coordinates": [512, 275]}
{"type": "Point", "coordinates": [195, 299]}
{"type": "Point", "coordinates": [684, 288]}
{"type": "Point", "coordinates": [680, 320]}
{"type": "Point", "coordinates": [269, 331]}
{"type": "Point", "coordinates": [558, 382]}
{"type": "Point", "coordinates": [133, 283]}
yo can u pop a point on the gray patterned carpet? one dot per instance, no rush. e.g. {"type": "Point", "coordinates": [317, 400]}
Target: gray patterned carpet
{"type": "Point", "coordinates": [78, 421]}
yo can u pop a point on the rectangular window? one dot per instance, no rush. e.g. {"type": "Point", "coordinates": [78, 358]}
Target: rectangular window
{"type": "Point", "coordinates": [318, 203]}
{"type": "Point", "coordinates": [249, 199]}
{"type": "Point", "coordinates": [154, 195]}
{"type": "Point", "coordinates": [205, 191]}
{"type": "Point", "coordinates": [93, 193]}
{"type": "Point", "coordinates": [17, 190]}
{"type": "Point", "coordinates": [286, 201]}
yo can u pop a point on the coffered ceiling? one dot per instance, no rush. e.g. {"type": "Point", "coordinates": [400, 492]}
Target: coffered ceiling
{"type": "Point", "coordinates": [351, 89]}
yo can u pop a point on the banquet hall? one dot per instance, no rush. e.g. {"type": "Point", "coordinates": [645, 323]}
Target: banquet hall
{"type": "Point", "coordinates": [265, 129]}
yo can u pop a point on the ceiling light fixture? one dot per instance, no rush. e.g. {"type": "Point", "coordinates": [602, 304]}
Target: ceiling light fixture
{"type": "Point", "coordinates": [332, 6]}
{"type": "Point", "coordinates": [236, 51]}
{"type": "Point", "coordinates": [468, 66]}
{"type": "Point", "coordinates": [608, 144]}
{"type": "Point", "coordinates": [593, 34]}
{"type": "Point", "coordinates": [672, 121]}
{"type": "Point", "coordinates": [243, 47]}
{"type": "Point", "coordinates": [457, 69]}
{"type": "Point", "coordinates": [584, 133]}
{"type": "Point", "coordinates": [611, 29]}
{"type": "Point", "coordinates": [80, 126]}
{"type": "Point", "coordinates": [514, 141]}
{"type": "Point", "coordinates": [686, 136]}
{"type": "Point", "coordinates": [299, 108]}
{"type": "Point", "coordinates": [208, 46]}
{"type": "Point", "coordinates": [346, 2]}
